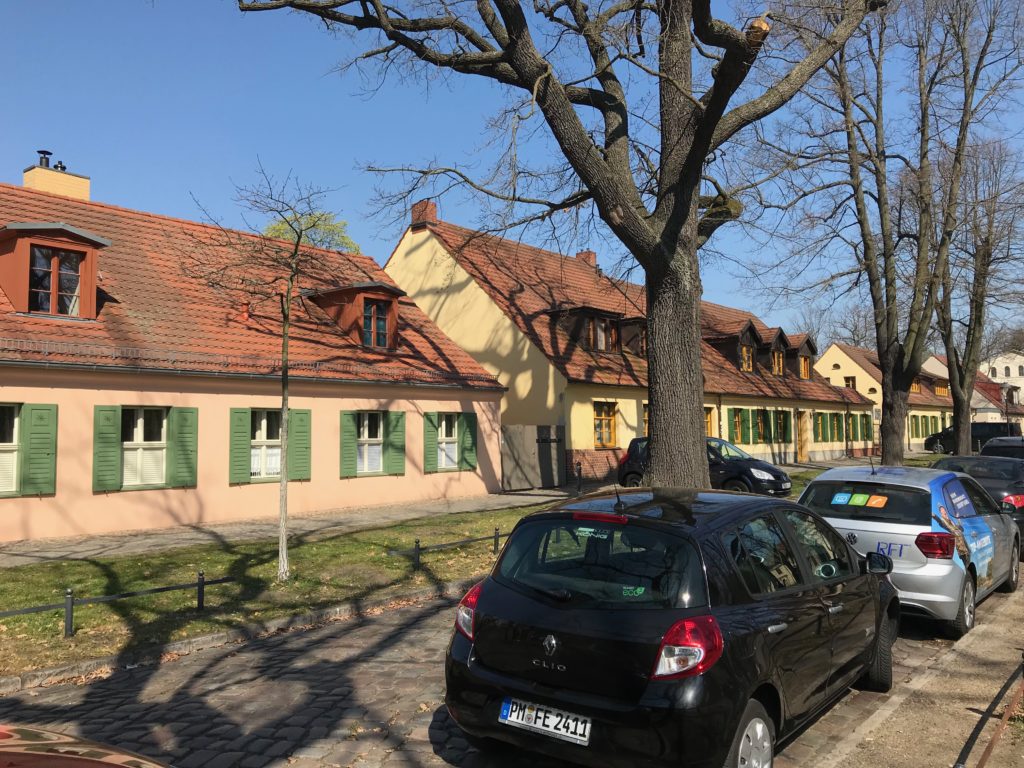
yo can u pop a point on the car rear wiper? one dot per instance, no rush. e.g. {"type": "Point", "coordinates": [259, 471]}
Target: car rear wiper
{"type": "Point", "coordinates": [561, 594]}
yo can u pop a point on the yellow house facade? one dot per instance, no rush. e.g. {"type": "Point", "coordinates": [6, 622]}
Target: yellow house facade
{"type": "Point", "coordinates": [568, 344]}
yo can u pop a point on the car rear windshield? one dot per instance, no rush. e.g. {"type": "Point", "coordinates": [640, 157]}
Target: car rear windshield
{"type": "Point", "coordinates": [592, 562]}
{"type": "Point", "coordinates": [982, 468]}
{"type": "Point", "coordinates": [869, 501]}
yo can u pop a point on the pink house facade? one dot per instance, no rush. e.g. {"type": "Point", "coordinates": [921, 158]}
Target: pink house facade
{"type": "Point", "coordinates": [134, 397]}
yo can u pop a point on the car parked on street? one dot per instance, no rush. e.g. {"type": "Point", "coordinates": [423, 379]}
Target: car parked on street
{"type": "Point", "coordinates": [981, 432]}
{"type": "Point", "coordinates": [29, 747]}
{"type": "Point", "coordinates": [1011, 447]}
{"type": "Point", "coordinates": [667, 627]}
{"type": "Point", "coordinates": [950, 542]}
{"type": "Point", "coordinates": [1000, 476]}
{"type": "Point", "coordinates": [731, 469]}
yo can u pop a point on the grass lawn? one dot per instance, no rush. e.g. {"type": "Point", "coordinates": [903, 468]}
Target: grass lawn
{"type": "Point", "coordinates": [325, 571]}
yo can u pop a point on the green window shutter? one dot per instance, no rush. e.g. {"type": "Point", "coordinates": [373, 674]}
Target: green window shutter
{"type": "Point", "coordinates": [394, 442]}
{"type": "Point", "coordinates": [854, 431]}
{"type": "Point", "coordinates": [106, 448]}
{"type": "Point", "coordinates": [240, 455]}
{"type": "Point", "coordinates": [769, 428]}
{"type": "Point", "coordinates": [869, 426]}
{"type": "Point", "coordinates": [299, 441]}
{"type": "Point", "coordinates": [182, 447]}
{"type": "Point", "coordinates": [430, 425]}
{"type": "Point", "coordinates": [349, 449]}
{"type": "Point", "coordinates": [817, 427]}
{"type": "Point", "coordinates": [38, 448]}
{"type": "Point", "coordinates": [745, 425]}
{"type": "Point", "coordinates": [732, 425]}
{"type": "Point", "coordinates": [788, 418]}
{"type": "Point", "coordinates": [841, 424]}
{"type": "Point", "coordinates": [467, 440]}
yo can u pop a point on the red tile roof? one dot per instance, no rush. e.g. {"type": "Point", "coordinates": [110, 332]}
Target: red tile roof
{"type": "Point", "coordinates": [867, 359]}
{"type": "Point", "coordinates": [530, 284]}
{"type": "Point", "coordinates": [156, 317]}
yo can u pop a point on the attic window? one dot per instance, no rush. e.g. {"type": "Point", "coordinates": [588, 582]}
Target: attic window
{"type": "Point", "coordinates": [805, 367]}
{"type": "Point", "coordinates": [375, 322]}
{"type": "Point", "coordinates": [54, 281]}
{"type": "Point", "coordinates": [942, 390]}
{"type": "Point", "coordinates": [778, 362]}
{"type": "Point", "coordinates": [915, 386]}
{"type": "Point", "coordinates": [746, 357]}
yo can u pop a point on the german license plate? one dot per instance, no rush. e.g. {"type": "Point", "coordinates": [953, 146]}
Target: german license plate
{"type": "Point", "coordinates": [542, 719]}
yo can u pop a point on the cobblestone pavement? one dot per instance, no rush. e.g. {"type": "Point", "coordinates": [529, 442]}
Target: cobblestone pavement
{"type": "Point", "coordinates": [365, 693]}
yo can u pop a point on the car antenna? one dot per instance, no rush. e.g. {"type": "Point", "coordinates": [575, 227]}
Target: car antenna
{"type": "Point", "coordinates": [620, 505]}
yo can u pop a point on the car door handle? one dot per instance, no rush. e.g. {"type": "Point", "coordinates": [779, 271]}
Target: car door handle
{"type": "Point", "coordinates": [835, 608]}
{"type": "Point", "coordinates": [774, 629]}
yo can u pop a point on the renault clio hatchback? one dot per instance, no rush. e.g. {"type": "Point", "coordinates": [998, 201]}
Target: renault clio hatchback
{"type": "Point", "coordinates": [950, 543]}
{"type": "Point", "coordinates": [668, 628]}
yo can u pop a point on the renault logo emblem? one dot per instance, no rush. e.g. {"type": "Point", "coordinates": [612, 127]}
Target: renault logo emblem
{"type": "Point", "coordinates": [550, 645]}
{"type": "Point", "coordinates": [851, 537]}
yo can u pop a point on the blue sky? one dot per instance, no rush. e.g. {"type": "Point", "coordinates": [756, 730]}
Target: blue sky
{"type": "Point", "coordinates": [164, 101]}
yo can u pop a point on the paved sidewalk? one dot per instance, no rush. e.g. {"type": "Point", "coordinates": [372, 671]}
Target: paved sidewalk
{"type": "Point", "coordinates": [328, 522]}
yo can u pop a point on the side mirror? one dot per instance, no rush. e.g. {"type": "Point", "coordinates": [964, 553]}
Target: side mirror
{"type": "Point", "coordinates": [878, 563]}
{"type": "Point", "coordinates": [1008, 508]}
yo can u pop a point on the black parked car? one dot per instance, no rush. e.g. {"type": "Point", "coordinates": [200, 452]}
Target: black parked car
{"type": "Point", "coordinates": [1012, 447]}
{"type": "Point", "coordinates": [981, 432]}
{"type": "Point", "coordinates": [732, 469]}
{"type": "Point", "coordinates": [669, 628]}
{"type": "Point", "coordinates": [1001, 476]}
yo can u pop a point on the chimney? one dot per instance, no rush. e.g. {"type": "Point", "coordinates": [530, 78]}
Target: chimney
{"type": "Point", "coordinates": [424, 212]}
{"type": "Point", "coordinates": [587, 257]}
{"type": "Point", "coordinates": [55, 180]}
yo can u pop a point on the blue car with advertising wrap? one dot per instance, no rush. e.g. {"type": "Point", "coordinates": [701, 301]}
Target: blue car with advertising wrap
{"type": "Point", "coordinates": [950, 543]}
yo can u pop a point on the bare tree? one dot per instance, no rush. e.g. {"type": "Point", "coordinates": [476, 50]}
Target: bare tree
{"type": "Point", "coordinates": [636, 97]}
{"type": "Point", "coordinates": [865, 184]}
{"type": "Point", "coordinates": [267, 274]}
{"type": "Point", "coordinates": [985, 263]}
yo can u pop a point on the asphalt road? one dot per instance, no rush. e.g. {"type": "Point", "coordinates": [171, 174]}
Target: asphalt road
{"type": "Point", "coordinates": [368, 693]}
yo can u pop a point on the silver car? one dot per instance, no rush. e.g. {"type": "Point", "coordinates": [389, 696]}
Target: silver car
{"type": "Point", "coordinates": [950, 543]}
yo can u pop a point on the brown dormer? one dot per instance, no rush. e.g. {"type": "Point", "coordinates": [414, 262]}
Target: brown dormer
{"type": "Point", "coordinates": [772, 354]}
{"type": "Point", "coordinates": [366, 312]}
{"type": "Point", "coordinates": [591, 328]}
{"type": "Point", "coordinates": [800, 357]}
{"type": "Point", "coordinates": [49, 268]}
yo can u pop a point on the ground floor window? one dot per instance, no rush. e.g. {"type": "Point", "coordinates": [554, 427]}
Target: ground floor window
{"type": "Point", "coordinates": [265, 443]}
{"type": "Point", "coordinates": [144, 445]}
{"type": "Point", "coordinates": [9, 448]}
{"type": "Point", "coordinates": [447, 440]}
{"type": "Point", "coordinates": [370, 442]}
{"type": "Point", "coordinates": [604, 425]}
{"type": "Point", "coordinates": [709, 424]}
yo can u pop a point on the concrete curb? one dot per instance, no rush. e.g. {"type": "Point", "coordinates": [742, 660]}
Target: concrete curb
{"type": "Point", "coordinates": [159, 654]}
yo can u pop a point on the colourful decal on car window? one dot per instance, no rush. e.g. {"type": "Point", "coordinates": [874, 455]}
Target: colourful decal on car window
{"type": "Point", "coordinates": [878, 501]}
{"type": "Point", "coordinates": [841, 498]}
{"type": "Point", "coordinates": [859, 499]}
{"type": "Point", "coordinates": [633, 591]}
{"type": "Point", "coordinates": [592, 533]}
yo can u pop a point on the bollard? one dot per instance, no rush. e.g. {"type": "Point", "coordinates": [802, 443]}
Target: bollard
{"type": "Point", "coordinates": [579, 477]}
{"type": "Point", "coordinates": [416, 555]}
{"type": "Point", "coordinates": [69, 612]}
{"type": "Point", "coordinates": [200, 590]}
{"type": "Point", "coordinates": [497, 537]}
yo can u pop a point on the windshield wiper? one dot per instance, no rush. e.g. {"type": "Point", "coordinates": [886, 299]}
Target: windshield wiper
{"type": "Point", "coordinates": [561, 594]}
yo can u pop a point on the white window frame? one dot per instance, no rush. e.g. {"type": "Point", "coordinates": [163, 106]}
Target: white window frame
{"type": "Point", "coordinates": [365, 444]}
{"type": "Point", "coordinates": [9, 453]}
{"type": "Point", "coordinates": [142, 448]}
{"type": "Point", "coordinates": [447, 436]}
{"type": "Point", "coordinates": [261, 448]}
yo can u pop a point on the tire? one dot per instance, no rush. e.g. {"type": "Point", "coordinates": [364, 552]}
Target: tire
{"type": "Point", "coordinates": [754, 742]}
{"type": "Point", "coordinates": [632, 481]}
{"type": "Point", "coordinates": [938, 447]}
{"type": "Point", "coordinates": [1010, 585]}
{"type": "Point", "coordinates": [964, 621]}
{"type": "Point", "coordinates": [878, 676]}
{"type": "Point", "coordinates": [735, 485]}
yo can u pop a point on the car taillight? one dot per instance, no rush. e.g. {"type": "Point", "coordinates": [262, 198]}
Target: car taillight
{"type": "Point", "coordinates": [466, 611]}
{"type": "Point", "coordinates": [1017, 501]}
{"type": "Point", "coordinates": [689, 648]}
{"type": "Point", "coordinates": [599, 517]}
{"type": "Point", "coordinates": [623, 458]}
{"type": "Point", "coordinates": [939, 545]}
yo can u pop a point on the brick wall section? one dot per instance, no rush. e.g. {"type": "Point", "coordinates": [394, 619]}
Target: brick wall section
{"type": "Point", "coordinates": [597, 465]}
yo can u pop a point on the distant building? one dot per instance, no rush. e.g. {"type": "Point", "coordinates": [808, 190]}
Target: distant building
{"type": "Point", "coordinates": [569, 344]}
{"type": "Point", "coordinates": [134, 397]}
{"type": "Point", "coordinates": [991, 401]}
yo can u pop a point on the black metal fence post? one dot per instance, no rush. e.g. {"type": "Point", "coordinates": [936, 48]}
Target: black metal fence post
{"type": "Point", "coordinates": [579, 477]}
{"type": "Point", "coordinates": [497, 536]}
{"type": "Point", "coordinates": [416, 556]}
{"type": "Point", "coordinates": [69, 612]}
{"type": "Point", "coordinates": [200, 590]}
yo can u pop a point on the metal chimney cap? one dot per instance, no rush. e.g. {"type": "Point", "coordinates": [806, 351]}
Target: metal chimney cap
{"type": "Point", "coordinates": [44, 157]}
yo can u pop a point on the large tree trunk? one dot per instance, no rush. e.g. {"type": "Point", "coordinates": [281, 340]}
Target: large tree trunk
{"type": "Point", "coordinates": [961, 422]}
{"type": "Point", "coordinates": [675, 381]}
{"type": "Point", "coordinates": [894, 419]}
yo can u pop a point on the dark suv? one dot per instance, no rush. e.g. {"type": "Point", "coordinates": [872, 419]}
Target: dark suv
{"type": "Point", "coordinates": [981, 431]}
{"type": "Point", "coordinates": [667, 628]}
{"type": "Point", "coordinates": [732, 469]}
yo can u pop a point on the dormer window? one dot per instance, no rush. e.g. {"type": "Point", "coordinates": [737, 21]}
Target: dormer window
{"type": "Point", "coordinates": [54, 281]}
{"type": "Point", "coordinates": [633, 336]}
{"type": "Point", "coordinates": [603, 335]}
{"type": "Point", "coordinates": [805, 366]}
{"type": "Point", "coordinates": [915, 386]}
{"type": "Point", "coordinates": [942, 390]}
{"type": "Point", "coordinates": [778, 362]}
{"type": "Point", "coordinates": [746, 357]}
{"type": "Point", "coordinates": [375, 322]}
